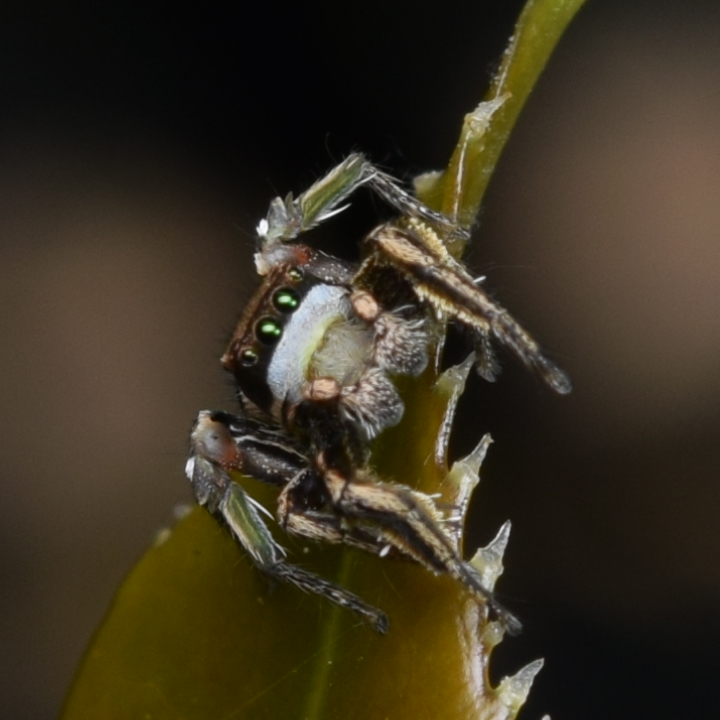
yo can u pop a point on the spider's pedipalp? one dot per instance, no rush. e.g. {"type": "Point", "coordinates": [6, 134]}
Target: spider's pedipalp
{"type": "Point", "coordinates": [402, 345]}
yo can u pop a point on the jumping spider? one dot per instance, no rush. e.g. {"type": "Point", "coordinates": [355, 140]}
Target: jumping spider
{"type": "Point", "coordinates": [314, 355]}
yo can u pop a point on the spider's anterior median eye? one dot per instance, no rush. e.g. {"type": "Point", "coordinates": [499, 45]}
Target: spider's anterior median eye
{"type": "Point", "coordinates": [286, 300]}
{"type": "Point", "coordinates": [248, 358]}
{"type": "Point", "coordinates": [268, 331]}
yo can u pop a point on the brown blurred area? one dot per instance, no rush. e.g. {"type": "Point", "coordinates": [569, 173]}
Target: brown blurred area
{"type": "Point", "coordinates": [137, 153]}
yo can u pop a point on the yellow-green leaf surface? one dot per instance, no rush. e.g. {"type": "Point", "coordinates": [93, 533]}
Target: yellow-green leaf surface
{"type": "Point", "coordinates": [196, 631]}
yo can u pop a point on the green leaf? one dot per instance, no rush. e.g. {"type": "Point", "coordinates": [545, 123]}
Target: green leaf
{"type": "Point", "coordinates": [196, 631]}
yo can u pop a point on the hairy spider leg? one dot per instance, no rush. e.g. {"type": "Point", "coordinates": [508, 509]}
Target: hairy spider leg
{"type": "Point", "coordinates": [373, 516]}
{"type": "Point", "coordinates": [417, 250]}
{"type": "Point", "coordinates": [410, 522]}
{"type": "Point", "coordinates": [213, 452]}
{"type": "Point", "coordinates": [438, 279]}
{"type": "Point", "coordinates": [289, 217]}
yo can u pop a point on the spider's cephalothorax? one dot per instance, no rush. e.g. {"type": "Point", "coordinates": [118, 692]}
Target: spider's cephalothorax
{"type": "Point", "coordinates": [314, 356]}
{"type": "Point", "coordinates": [315, 352]}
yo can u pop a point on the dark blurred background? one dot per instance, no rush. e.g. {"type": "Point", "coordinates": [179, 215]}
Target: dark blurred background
{"type": "Point", "coordinates": [140, 144]}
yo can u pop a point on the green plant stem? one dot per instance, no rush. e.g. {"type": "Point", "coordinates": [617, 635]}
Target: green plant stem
{"type": "Point", "coordinates": [459, 190]}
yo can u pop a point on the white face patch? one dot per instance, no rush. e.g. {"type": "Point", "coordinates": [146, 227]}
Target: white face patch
{"type": "Point", "coordinates": [345, 354]}
{"type": "Point", "coordinates": [304, 331]}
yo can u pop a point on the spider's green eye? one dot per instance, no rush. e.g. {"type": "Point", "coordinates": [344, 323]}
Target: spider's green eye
{"type": "Point", "coordinates": [286, 300]}
{"type": "Point", "coordinates": [248, 358]}
{"type": "Point", "coordinates": [268, 331]}
{"type": "Point", "coordinates": [295, 274]}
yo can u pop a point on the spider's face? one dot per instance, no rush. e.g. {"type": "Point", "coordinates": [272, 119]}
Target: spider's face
{"type": "Point", "coordinates": [301, 340]}
{"type": "Point", "coordinates": [314, 347]}
{"type": "Point", "coordinates": [256, 347]}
